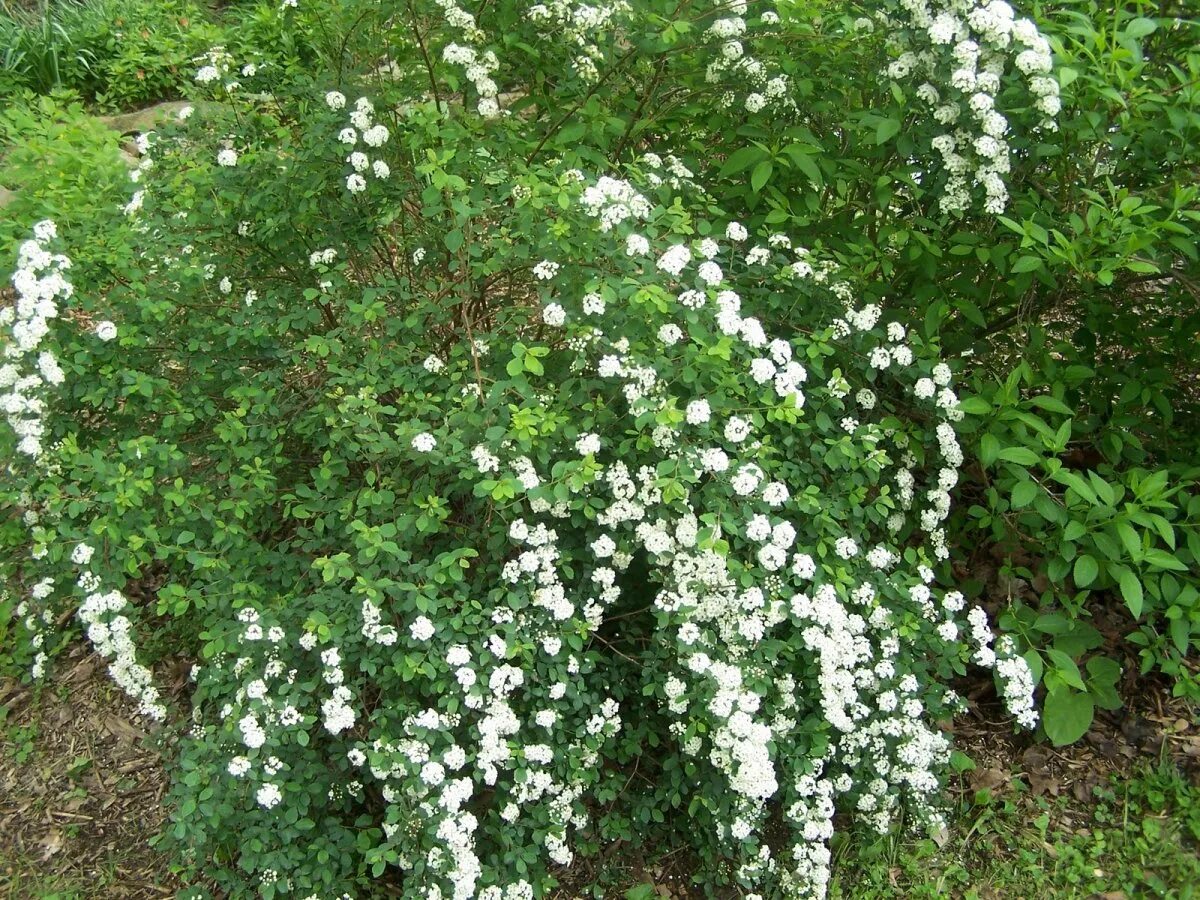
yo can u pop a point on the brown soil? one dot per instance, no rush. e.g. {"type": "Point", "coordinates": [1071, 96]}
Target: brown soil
{"type": "Point", "coordinates": [81, 789]}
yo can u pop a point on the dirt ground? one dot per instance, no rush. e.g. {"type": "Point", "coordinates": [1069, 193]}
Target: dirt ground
{"type": "Point", "coordinates": [81, 790]}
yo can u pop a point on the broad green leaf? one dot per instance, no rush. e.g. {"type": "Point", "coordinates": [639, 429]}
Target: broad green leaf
{"type": "Point", "coordinates": [886, 130]}
{"type": "Point", "coordinates": [761, 175]}
{"type": "Point", "coordinates": [1140, 27]}
{"type": "Point", "coordinates": [1023, 493]}
{"type": "Point", "coordinates": [1131, 591]}
{"type": "Point", "coordinates": [1086, 570]}
{"type": "Point", "coordinates": [742, 158]}
{"type": "Point", "coordinates": [1067, 715]}
{"type": "Point", "coordinates": [1022, 456]}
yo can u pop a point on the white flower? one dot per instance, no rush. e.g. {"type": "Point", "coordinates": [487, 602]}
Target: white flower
{"type": "Point", "coordinates": [335, 100]}
{"type": "Point", "coordinates": [375, 136]}
{"type": "Point", "coordinates": [675, 260]}
{"type": "Point", "coordinates": [737, 430]}
{"type": "Point", "coordinates": [355, 183]}
{"type": "Point", "coordinates": [268, 796]}
{"type": "Point", "coordinates": [698, 412]}
{"type": "Point", "coordinates": [422, 629]}
{"type": "Point", "coordinates": [424, 442]}
{"type": "Point", "coordinates": [670, 334]}
{"type": "Point", "coordinates": [588, 444]}
{"type": "Point", "coordinates": [710, 273]}
{"type": "Point", "coordinates": [736, 232]}
{"type": "Point", "coordinates": [554, 315]}
{"type": "Point", "coordinates": [227, 157]}
{"type": "Point", "coordinates": [106, 331]}
{"type": "Point", "coordinates": [545, 270]}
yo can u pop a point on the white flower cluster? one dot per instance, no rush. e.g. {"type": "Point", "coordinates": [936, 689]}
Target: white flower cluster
{"type": "Point", "coordinates": [373, 135]}
{"type": "Point", "coordinates": [732, 64]}
{"type": "Point", "coordinates": [960, 51]}
{"type": "Point", "coordinates": [36, 622]}
{"type": "Point", "coordinates": [27, 373]}
{"type": "Point", "coordinates": [1012, 671]}
{"type": "Point", "coordinates": [580, 27]}
{"type": "Point", "coordinates": [613, 201]}
{"type": "Point", "coordinates": [218, 66]}
{"type": "Point", "coordinates": [478, 65]}
{"type": "Point", "coordinates": [110, 633]}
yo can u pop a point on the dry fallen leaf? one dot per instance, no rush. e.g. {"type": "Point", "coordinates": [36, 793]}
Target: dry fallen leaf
{"type": "Point", "coordinates": [51, 843]}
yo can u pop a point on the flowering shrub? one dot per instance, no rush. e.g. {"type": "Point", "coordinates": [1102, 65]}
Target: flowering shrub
{"type": "Point", "coordinates": [505, 503]}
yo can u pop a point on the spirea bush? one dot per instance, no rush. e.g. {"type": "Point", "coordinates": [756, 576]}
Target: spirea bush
{"type": "Point", "coordinates": [501, 506]}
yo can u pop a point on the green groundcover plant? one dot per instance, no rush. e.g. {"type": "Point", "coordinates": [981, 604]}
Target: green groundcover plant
{"type": "Point", "coordinates": [505, 494]}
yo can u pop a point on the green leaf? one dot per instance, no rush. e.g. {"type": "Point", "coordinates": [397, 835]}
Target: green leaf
{"type": "Point", "coordinates": [1027, 264]}
{"type": "Point", "coordinates": [1131, 591]}
{"type": "Point", "coordinates": [761, 175]}
{"type": "Point", "coordinates": [1077, 484]}
{"type": "Point", "coordinates": [1051, 404]}
{"type": "Point", "coordinates": [453, 240]}
{"type": "Point", "coordinates": [1023, 494]}
{"type": "Point", "coordinates": [801, 159]}
{"type": "Point", "coordinates": [1086, 570]}
{"type": "Point", "coordinates": [1065, 667]}
{"type": "Point", "coordinates": [886, 130]}
{"type": "Point", "coordinates": [1067, 715]}
{"type": "Point", "coordinates": [1161, 559]}
{"type": "Point", "coordinates": [989, 449]}
{"type": "Point", "coordinates": [1022, 456]}
{"type": "Point", "coordinates": [1103, 670]}
{"type": "Point", "coordinates": [1130, 539]}
{"type": "Point", "coordinates": [1140, 27]}
{"type": "Point", "coordinates": [741, 159]}
{"type": "Point", "coordinates": [975, 406]}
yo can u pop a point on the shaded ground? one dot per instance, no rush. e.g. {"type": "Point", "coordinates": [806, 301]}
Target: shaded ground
{"type": "Point", "coordinates": [80, 791]}
{"type": "Point", "coordinates": [1115, 816]}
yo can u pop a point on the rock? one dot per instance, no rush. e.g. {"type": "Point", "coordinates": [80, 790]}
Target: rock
{"type": "Point", "coordinates": [143, 120]}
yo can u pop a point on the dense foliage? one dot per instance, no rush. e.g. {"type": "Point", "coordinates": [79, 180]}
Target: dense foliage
{"type": "Point", "coordinates": [545, 434]}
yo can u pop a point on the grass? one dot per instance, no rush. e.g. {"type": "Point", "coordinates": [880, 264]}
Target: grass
{"type": "Point", "coordinates": [1137, 836]}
